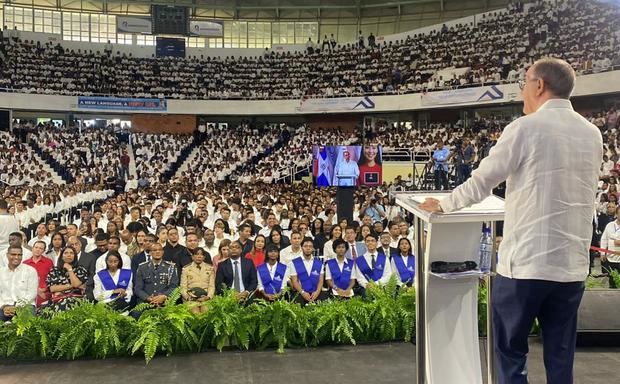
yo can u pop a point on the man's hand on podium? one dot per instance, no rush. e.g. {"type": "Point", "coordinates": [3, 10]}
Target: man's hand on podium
{"type": "Point", "coordinates": [431, 205]}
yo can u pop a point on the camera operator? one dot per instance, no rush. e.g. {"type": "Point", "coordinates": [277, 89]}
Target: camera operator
{"type": "Point", "coordinates": [465, 155]}
{"type": "Point", "coordinates": [440, 166]}
{"type": "Point", "coordinates": [183, 214]}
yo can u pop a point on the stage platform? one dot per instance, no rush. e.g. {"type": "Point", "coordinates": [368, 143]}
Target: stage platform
{"type": "Point", "coordinates": [376, 363]}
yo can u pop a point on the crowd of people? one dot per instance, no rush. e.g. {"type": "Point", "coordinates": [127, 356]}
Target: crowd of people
{"type": "Point", "coordinates": [85, 155]}
{"type": "Point", "coordinates": [155, 154]}
{"type": "Point", "coordinates": [86, 241]}
{"type": "Point", "coordinates": [499, 48]}
{"type": "Point", "coordinates": [19, 165]}
{"type": "Point", "coordinates": [229, 150]}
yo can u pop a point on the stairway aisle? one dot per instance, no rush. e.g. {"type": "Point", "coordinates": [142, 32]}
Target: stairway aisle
{"type": "Point", "coordinates": [132, 162]}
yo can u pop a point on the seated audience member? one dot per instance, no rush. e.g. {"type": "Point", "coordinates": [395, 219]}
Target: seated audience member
{"type": "Point", "coordinates": [385, 247]}
{"type": "Point", "coordinates": [66, 281]}
{"type": "Point", "coordinates": [43, 266]}
{"type": "Point", "coordinates": [57, 244]}
{"type": "Point", "coordinates": [18, 284]}
{"type": "Point", "coordinates": [222, 253]}
{"type": "Point", "coordinates": [237, 273]}
{"type": "Point", "coordinates": [257, 254]}
{"type": "Point", "coordinates": [175, 252]}
{"type": "Point", "coordinates": [145, 255]}
{"type": "Point", "coordinates": [306, 274]}
{"type": "Point", "coordinates": [86, 260]}
{"type": "Point", "coordinates": [356, 248]}
{"type": "Point", "coordinates": [272, 276]}
{"type": "Point", "coordinates": [277, 238]}
{"type": "Point", "coordinates": [339, 272]}
{"type": "Point", "coordinates": [373, 267]}
{"type": "Point", "coordinates": [155, 279]}
{"type": "Point", "coordinates": [16, 239]}
{"type": "Point", "coordinates": [403, 263]}
{"type": "Point", "coordinates": [114, 244]}
{"type": "Point", "coordinates": [198, 280]}
{"type": "Point", "coordinates": [114, 284]}
{"type": "Point", "coordinates": [328, 249]}
{"type": "Point", "coordinates": [294, 250]}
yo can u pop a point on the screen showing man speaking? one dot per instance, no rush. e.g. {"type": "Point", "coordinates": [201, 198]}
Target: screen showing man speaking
{"type": "Point", "coordinates": [347, 165]}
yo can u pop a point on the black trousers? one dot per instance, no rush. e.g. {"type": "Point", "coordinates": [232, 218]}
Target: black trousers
{"type": "Point", "coordinates": [441, 180]}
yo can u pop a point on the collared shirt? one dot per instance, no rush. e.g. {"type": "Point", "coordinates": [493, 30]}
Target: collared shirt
{"type": "Point", "coordinates": [26, 253]}
{"type": "Point", "coordinates": [441, 156]}
{"type": "Point", "coordinates": [18, 286]}
{"type": "Point", "coordinates": [102, 294]}
{"type": "Point", "coordinates": [386, 274]}
{"type": "Point", "coordinates": [237, 268]}
{"type": "Point", "coordinates": [308, 263]}
{"type": "Point", "coordinates": [197, 276]}
{"type": "Point", "coordinates": [550, 160]}
{"type": "Point", "coordinates": [610, 234]}
{"type": "Point", "coordinates": [288, 254]}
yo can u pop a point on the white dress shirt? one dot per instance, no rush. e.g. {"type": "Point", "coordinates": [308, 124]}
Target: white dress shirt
{"type": "Point", "coordinates": [307, 264]}
{"type": "Point", "coordinates": [8, 225]}
{"type": "Point", "coordinates": [101, 294]}
{"type": "Point", "coordinates": [387, 270]}
{"type": "Point", "coordinates": [45, 239]}
{"type": "Point", "coordinates": [287, 254]}
{"type": "Point", "coordinates": [550, 160]}
{"type": "Point", "coordinates": [4, 262]}
{"type": "Point", "coordinates": [611, 233]}
{"type": "Point", "coordinates": [18, 286]}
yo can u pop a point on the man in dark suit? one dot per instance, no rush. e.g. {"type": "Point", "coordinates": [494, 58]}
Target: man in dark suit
{"type": "Point", "coordinates": [73, 230]}
{"type": "Point", "coordinates": [141, 257]}
{"type": "Point", "coordinates": [385, 248]}
{"type": "Point", "coordinates": [356, 248]}
{"type": "Point", "coordinates": [237, 273]}
{"type": "Point", "coordinates": [175, 252]}
{"type": "Point", "coordinates": [86, 260]}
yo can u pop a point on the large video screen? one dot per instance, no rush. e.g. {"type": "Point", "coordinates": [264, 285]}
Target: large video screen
{"type": "Point", "coordinates": [347, 165]}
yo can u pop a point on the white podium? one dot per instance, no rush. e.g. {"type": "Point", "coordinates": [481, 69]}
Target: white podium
{"type": "Point", "coordinates": [447, 342]}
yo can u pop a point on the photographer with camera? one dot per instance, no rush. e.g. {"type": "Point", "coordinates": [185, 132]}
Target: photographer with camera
{"type": "Point", "coordinates": [183, 214]}
{"type": "Point", "coordinates": [465, 155]}
{"type": "Point", "coordinates": [440, 166]}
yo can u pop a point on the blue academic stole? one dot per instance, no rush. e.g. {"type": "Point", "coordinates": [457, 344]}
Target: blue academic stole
{"type": "Point", "coordinates": [272, 286]}
{"type": "Point", "coordinates": [108, 283]}
{"type": "Point", "coordinates": [340, 278]}
{"type": "Point", "coordinates": [309, 283]}
{"type": "Point", "coordinates": [406, 272]}
{"type": "Point", "coordinates": [369, 274]}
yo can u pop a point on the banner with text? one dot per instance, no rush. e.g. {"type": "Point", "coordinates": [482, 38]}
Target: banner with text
{"type": "Point", "coordinates": [206, 28]}
{"type": "Point", "coordinates": [465, 95]}
{"type": "Point", "coordinates": [123, 104]}
{"type": "Point", "coordinates": [337, 104]}
{"type": "Point", "coordinates": [128, 24]}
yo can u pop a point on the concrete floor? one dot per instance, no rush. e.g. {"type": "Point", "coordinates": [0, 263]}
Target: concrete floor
{"type": "Point", "coordinates": [379, 363]}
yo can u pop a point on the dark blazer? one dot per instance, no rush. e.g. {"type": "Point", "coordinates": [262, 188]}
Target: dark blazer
{"type": "Point", "coordinates": [88, 261]}
{"type": "Point", "coordinates": [224, 275]}
{"type": "Point", "coordinates": [136, 260]}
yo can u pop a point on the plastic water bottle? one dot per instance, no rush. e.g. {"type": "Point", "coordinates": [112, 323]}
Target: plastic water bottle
{"type": "Point", "coordinates": [486, 247]}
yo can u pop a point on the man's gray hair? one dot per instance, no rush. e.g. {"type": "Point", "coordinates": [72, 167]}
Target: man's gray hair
{"type": "Point", "coordinates": [558, 75]}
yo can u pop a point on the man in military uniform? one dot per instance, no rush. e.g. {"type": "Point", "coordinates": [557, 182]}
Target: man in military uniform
{"type": "Point", "coordinates": [198, 280]}
{"type": "Point", "coordinates": [155, 279]}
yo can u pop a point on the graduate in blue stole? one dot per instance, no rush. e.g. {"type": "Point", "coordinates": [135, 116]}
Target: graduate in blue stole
{"type": "Point", "coordinates": [272, 275]}
{"type": "Point", "coordinates": [403, 263]}
{"type": "Point", "coordinates": [374, 266]}
{"type": "Point", "coordinates": [114, 284]}
{"type": "Point", "coordinates": [307, 275]}
{"type": "Point", "coordinates": [340, 272]}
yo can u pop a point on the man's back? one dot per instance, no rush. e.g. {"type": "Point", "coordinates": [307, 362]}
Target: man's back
{"type": "Point", "coordinates": [550, 194]}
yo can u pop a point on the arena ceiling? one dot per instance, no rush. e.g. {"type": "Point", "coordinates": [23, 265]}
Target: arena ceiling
{"type": "Point", "coordinates": [280, 9]}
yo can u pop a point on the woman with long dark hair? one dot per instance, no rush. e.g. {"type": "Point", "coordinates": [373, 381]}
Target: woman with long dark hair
{"type": "Point", "coordinates": [318, 234]}
{"type": "Point", "coordinates": [369, 165]}
{"type": "Point", "coordinates": [57, 243]}
{"type": "Point", "coordinates": [257, 254]}
{"type": "Point", "coordinates": [403, 263]}
{"type": "Point", "coordinates": [66, 282]}
{"type": "Point", "coordinates": [278, 239]}
{"type": "Point", "coordinates": [114, 283]}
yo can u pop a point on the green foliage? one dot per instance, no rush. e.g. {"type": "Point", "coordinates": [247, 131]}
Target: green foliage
{"type": "Point", "coordinates": [483, 293]}
{"type": "Point", "coordinates": [593, 283]}
{"type": "Point", "coordinates": [281, 323]}
{"type": "Point", "coordinates": [615, 276]}
{"type": "Point", "coordinates": [169, 328]}
{"type": "Point", "coordinates": [90, 330]}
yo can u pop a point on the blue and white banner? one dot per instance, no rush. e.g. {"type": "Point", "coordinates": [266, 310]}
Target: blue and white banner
{"type": "Point", "coordinates": [134, 24]}
{"type": "Point", "coordinates": [337, 104]}
{"type": "Point", "coordinates": [206, 28]}
{"type": "Point", "coordinates": [464, 95]}
{"type": "Point", "coordinates": [124, 104]}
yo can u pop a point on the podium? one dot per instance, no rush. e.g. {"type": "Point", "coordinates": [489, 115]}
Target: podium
{"type": "Point", "coordinates": [349, 180]}
{"type": "Point", "coordinates": [447, 342]}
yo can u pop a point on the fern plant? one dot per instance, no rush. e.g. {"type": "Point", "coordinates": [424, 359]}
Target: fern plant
{"type": "Point", "coordinates": [226, 322]}
{"type": "Point", "coordinates": [280, 323]}
{"type": "Point", "coordinates": [385, 322]}
{"type": "Point", "coordinates": [483, 301]}
{"type": "Point", "coordinates": [27, 336]}
{"type": "Point", "coordinates": [168, 329]}
{"type": "Point", "coordinates": [91, 329]}
{"type": "Point", "coordinates": [615, 276]}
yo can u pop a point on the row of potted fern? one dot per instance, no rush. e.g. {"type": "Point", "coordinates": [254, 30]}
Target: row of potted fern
{"type": "Point", "coordinates": [95, 331]}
